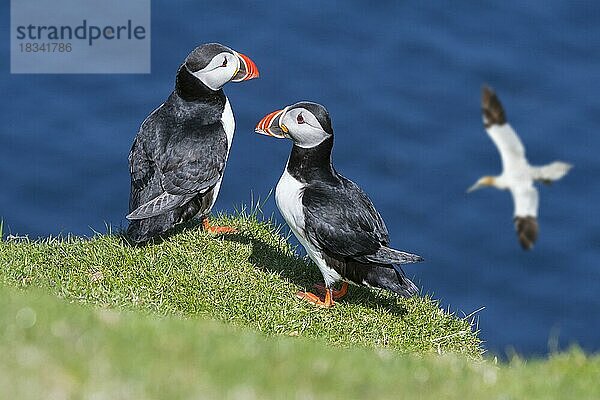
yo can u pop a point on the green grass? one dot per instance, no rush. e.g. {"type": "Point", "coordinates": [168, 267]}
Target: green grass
{"type": "Point", "coordinates": [199, 316]}
{"type": "Point", "coordinates": [247, 279]}
{"type": "Point", "coordinates": [54, 350]}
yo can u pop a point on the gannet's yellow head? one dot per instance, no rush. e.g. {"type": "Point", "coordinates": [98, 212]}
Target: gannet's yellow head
{"type": "Point", "coordinates": [482, 182]}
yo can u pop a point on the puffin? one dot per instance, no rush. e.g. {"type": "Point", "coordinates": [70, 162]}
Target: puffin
{"type": "Point", "coordinates": [179, 154]}
{"type": "Point", "coordinates": [333, 218]}
{"type": "Point", "coordinates": [517, 176]}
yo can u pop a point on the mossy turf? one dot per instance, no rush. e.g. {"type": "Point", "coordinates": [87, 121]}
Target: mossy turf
{"type": "Point", "coordinates": [246, 279]}
{"type": "Point", "coordinates": [55, 350]}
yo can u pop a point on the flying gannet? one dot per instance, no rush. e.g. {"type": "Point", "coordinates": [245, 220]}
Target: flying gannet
{"type": "Point", "coordinates": [517, 175]}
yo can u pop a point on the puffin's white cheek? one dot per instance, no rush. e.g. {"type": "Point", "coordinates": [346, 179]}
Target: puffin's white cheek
{"type": "Point", "coordinates": [216, 78]}
{"type": "Point", "coordinates": [308, 136]}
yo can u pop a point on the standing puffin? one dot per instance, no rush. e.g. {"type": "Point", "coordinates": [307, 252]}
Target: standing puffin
{"type": "Point", "coordinates": [517, 175]}
{"type": "Point", "coordinates": [179, 154]}
{"type": "Point", "coordinates": [330, 215]}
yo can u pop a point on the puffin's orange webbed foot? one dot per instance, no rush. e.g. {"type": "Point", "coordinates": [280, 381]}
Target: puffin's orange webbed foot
{"type": "Point", "coordinates": [326, 302]}
{"type": "Point", "coordinates": [336, 294]}
{"type": "Point", "coordinates": [217, 229]}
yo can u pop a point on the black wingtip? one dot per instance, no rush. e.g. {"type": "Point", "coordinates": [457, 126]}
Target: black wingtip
{"type": "Point", "coordinates": [493, 112]}
{"type": "Point", "coordinates": [414, 258]}
{"type": "Point", "coordinates": [527, 231]}
{"type": "Point", "coordinates": [396, 281]}
{"type": "Point", "coordinates": [135, 235]}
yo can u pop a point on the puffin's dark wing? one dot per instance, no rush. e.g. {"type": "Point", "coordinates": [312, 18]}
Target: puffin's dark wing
{"type": "Point", "coordinates": [194, 163]}
{"type": "Point", "coordinates": [189, 162]}
{"type": "Point", "coordinates": [387, 255]}
{"type": "Point", "coordinates": [342, 220]}
{"type": "Point", "coordinates": [159, 205]}
{"type": "Point", "coordinates": [145, 177]}
{"type": "Point", "coordinates": [142, 171]}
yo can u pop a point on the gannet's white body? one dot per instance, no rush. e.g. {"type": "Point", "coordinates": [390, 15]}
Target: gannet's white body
{"type": "Point", "coordinates": [518, 175]}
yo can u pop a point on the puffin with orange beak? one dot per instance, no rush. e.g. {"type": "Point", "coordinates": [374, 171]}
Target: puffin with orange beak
{"type": "Point", "coordinates": [330, 215]}
{"type": "Point", "coordinates": [179, 155]}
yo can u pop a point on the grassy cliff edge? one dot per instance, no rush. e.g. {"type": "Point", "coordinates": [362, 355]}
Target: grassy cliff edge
{"type": "Point", "coordinates": [199, 316]}
{"type": "Point", "coordinates": [248, 279]}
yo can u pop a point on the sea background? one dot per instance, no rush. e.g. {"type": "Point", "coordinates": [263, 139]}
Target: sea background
{"type": "Point", "coordinates": [402, 84]}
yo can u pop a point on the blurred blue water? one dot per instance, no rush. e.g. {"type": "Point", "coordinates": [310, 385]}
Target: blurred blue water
{"type": "Point", "coordinates": [402, 85]}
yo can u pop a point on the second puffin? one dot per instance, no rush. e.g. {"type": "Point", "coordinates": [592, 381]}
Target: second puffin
{"type": "Point", "coordinates": [330, 215]}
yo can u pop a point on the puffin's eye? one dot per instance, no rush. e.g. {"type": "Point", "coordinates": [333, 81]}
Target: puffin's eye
{"type": "Point", "coordinates": [300, 119]}
{"type": "Point", "coordinates": [224, 62]}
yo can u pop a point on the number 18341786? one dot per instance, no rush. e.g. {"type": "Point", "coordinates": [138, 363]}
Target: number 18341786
{"type": "Point", "coordinates": [49, 47]}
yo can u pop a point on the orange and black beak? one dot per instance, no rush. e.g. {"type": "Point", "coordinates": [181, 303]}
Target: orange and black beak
{"type": "Point", "coordinates": [247, 71]}
{"type": "Point", "coordinates": [271, 125]}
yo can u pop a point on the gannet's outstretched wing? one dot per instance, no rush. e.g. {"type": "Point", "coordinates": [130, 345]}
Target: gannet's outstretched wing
{"type": "Point", "coordinates": [504, 137]}
{"type": "Point", "coordinates": [526, 200]}
{"type": "Point", "coordinates": [551, 172]}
